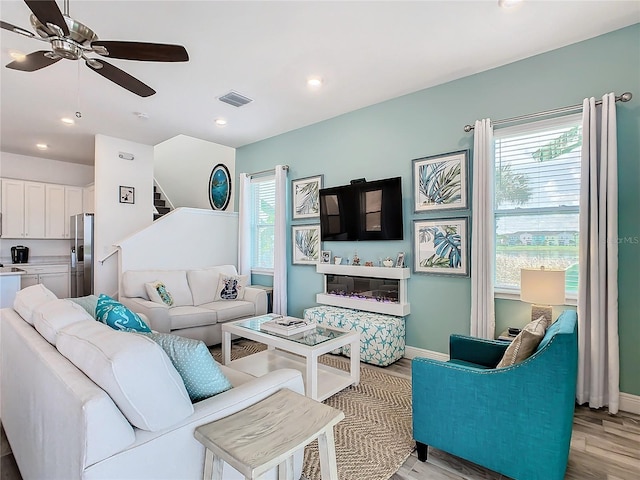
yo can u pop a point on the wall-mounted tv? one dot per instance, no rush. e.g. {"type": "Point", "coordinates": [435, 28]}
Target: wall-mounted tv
{"type": "Point", "coordinates": [362, 211]}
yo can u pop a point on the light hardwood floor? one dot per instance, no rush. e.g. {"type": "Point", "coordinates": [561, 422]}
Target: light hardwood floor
{"type": "Point", "coordinates": [603, 447]}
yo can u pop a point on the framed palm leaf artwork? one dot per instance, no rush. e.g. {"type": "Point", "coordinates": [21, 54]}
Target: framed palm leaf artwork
{"type": "Point", "coordinates": [305, 197]}
{"type": "Point", "coordinates": [440, 182]}
{"type": "Point", "coordinates": [306, 244]}
{"type": "Point", "coordinates": [441, 246]}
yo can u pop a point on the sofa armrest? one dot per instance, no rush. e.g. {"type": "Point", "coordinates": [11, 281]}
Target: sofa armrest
{"type": "Point", "coordinates": [476, 350]}
{"type": "Point", "coordinates": [157, 314]}
{"type": "Point", "coordinates": [245, 395]}
{"type": "Point", "coordinates": [258, 297]}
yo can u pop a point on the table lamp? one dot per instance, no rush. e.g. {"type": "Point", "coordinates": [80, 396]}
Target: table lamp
{"type": "Point", "coordinates": [542, 288]}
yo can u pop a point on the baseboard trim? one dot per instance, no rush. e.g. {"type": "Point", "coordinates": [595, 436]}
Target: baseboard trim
{"type": "Point", "coordinates": [412, 352]}
{"type": "Point", "coordinates": [630, 403]}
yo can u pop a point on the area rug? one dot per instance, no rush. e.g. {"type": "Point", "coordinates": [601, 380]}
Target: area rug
{"type": "Point", "coordinates": [375, 437]}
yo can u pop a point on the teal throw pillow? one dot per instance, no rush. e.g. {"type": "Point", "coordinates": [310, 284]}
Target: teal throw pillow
{"type": "Point", "coordinates": [89, 303]}
{"type": "Point", "coordinates": [200, 373]}
{"type": "Point", "coordinates": [117, 316]}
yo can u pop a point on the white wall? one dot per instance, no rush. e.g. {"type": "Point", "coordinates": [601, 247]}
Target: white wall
{"type": "Point", "coordinates": [186, 238]}
{"type": "Point", "coordinates": [182, 166]}
{"type": "Point", "coordinates": [37, 169]}
{"type": "Point", "coordinates": [115, 221]}
{"type": "Point", "coordinates": [46, 170]}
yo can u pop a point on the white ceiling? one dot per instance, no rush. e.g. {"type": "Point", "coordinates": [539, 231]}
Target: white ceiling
{"type": "Point", "coordinates": [365, 51]}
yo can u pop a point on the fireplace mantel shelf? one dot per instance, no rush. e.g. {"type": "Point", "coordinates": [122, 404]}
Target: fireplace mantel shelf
{"type": "Point", "coordinates": [360, 271]}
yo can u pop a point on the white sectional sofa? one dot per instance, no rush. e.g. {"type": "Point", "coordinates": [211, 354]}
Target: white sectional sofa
{"type": "Point", "coordinates": [195, 312]}
{"type": "Point", "coordinates": [61, 424]}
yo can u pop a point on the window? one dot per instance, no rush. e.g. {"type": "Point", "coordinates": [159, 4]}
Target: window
{"type": "Point", "coordinates": [537, 197]}
{"type": "Point", "coordinates": [263, 201]}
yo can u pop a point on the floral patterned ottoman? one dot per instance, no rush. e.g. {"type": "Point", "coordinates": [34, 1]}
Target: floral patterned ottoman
{"type": "Point", "coordinates": [381, 336]}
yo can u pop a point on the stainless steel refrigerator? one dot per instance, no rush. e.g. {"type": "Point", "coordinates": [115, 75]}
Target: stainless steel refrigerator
{"type": "Point", "coordinates": [81, 234]}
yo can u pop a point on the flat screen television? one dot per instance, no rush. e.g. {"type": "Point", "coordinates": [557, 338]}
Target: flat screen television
{"type": "Point", "coordinates": [362, 211]}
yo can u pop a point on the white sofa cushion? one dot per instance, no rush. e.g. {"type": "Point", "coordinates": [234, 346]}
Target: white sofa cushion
{"type": "Point", "coordinates": [50, 317]}
{"type": "Point", "coordinates": [133, 284]}
{"type": "Point", "coordinates": [226, 311]}
{"type": "Point", "coordinates": [204, 282]}
{"type": "Point", "coordinates": [29, 298]}
{"type": "Point", "coordinates": [132, 369]}
{"type": "Point", "coordinates": [187, 317]}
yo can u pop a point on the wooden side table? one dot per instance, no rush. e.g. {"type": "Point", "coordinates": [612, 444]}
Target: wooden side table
{"type": "Point", "coordinates": [267, 434]}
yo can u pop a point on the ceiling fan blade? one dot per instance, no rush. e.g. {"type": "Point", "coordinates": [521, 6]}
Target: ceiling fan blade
{"type": "Point", "coordinates": [120, 77]}
{"type": "Point", "coordinates": [34, 61]}
{"type": "Point", "coordinates": [13, 28]}
{"type": "Point", "coordinates": [47, 11]}
{"type": "Point", "coordinates": [148, 52]}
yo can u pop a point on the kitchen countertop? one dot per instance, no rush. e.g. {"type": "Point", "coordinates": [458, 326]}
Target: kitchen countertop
{"type": "Point", "coordinates": [42, 260]}
{"type": "Point", "coordinates": [11, 271]}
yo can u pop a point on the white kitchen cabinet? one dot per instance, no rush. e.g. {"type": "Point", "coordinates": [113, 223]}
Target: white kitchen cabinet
{"type": "Point", "coordinates": [23, 209]}
{"type": "Point", "coordinates": [12, 208]}
{"type": "Point", "coordinates": [34, 209]}
{"type": "Point", "coordinates": [55, 211]}
{"type": "Point", "coordinates": [88, 199]}
{"type": "Point", "coordinates": [54, 277]}
{"type": "Point", "coordinates": [62, 201]}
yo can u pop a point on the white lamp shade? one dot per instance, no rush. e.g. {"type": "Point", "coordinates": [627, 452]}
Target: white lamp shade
{"type": "Point", "coordinates": [541, 286]}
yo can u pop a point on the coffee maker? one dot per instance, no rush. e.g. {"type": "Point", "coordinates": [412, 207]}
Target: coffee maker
{"type": "Point", "coordinates": [19, 254]}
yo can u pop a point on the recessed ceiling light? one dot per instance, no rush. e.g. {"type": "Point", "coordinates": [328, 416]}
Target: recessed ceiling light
{"type": "Point", "coordinates": [67, 121]}
{"type": "Point", "coordinates": [220, 122]}
{"type": "Point", "coordinates": [42, 146]}
{"type": "Point", "coordinates": [17, 56]}
{"type": "Point", "coordinates": [314, 82]}
{"type": "Point", "coordinates": [508, 3]}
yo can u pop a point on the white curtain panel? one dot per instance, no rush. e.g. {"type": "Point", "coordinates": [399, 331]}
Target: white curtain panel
{"type": "Point", "coordinates": [244, 225]}
{"type": "Point", "coordinates": [280, 247]}
{"type": "Point", "coordinates": [483, 323]}
{"type": "Point", "coordinates": [598, 348]}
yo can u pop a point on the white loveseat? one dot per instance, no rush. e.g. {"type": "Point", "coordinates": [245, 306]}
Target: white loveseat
{"type": "Point", "coordinates": [61, 424]}
{"type": "Point", "coordinates": [195, 312]}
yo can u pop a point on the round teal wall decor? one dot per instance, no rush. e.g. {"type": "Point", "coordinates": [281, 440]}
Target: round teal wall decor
{"type": "Point", "coordinates": [219, 187]}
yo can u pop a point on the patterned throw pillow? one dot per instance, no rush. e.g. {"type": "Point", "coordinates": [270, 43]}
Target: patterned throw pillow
{"type": "Point", "coordinates": [525, 343]}
{"type": "Point", "coordinates": [158, 293]}
{"type": "Point", "coordinates": [200, 373]}
{"type": "Point", "coordinates": [117, 316]}
{"type": "Point", "coordinates": [231, 287]}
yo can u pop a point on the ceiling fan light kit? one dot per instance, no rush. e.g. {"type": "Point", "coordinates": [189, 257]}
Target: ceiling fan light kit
{"type": "Point", "coordinates": [72, 40]}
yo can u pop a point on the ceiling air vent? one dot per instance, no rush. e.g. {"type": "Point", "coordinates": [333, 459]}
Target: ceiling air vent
{"type": "Point", "coordinates": [235, 99]}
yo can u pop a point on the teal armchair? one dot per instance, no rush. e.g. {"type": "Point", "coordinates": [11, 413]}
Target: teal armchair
{"type": "Point", "coordinates": [515, 420]}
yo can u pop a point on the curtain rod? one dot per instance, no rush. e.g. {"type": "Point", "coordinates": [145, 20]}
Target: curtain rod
{"type": "Point", "coordinates": [264, 172]}
{"type": "Point", "coordinates": [625, 97]}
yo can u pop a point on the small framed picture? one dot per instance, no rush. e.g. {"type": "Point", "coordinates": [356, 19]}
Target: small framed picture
{"type": "Point", "coordinates": [440, 246]}
{"type": "Point", "coordinates": [305, 196]}
{"type": "Point", "coordinates": [440, 182]}
{"type": "Point", "coordinates": [400, 260]}
{"type": "Point", "coordinates": [127, 194]}
{"type": "Point", "coordinates": [325, 256]}
{"type": "Point", "coordinates": [306, 244]}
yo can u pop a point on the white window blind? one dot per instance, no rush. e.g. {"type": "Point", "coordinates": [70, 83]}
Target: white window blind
{"type": "Point", "coordinates": [263, 200]}
{"type": "Point", "coordinates": [537, 194]}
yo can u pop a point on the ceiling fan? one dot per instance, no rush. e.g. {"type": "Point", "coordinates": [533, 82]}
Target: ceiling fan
{"type": "Point", "coordinates": [72, 40]}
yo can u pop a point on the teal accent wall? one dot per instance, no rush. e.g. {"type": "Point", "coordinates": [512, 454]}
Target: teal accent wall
{"type": "Point", "coordinates": [381, 140]}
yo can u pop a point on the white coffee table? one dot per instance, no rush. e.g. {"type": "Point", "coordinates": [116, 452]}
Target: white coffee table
{"type": "Point", "coordinates": [299, 351]}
